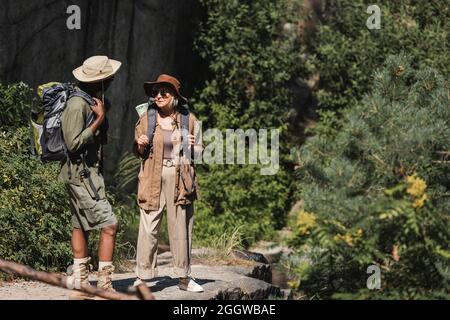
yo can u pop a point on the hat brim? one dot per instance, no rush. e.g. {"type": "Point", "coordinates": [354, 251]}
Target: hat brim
{"type": "Point", "coordinates": [80, 76]}
{"type": "Point", "coordinates": [148, 86]}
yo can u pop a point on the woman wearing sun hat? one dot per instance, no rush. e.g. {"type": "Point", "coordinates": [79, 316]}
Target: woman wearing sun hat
{"type": "Point", "coordinates": [160, 182]}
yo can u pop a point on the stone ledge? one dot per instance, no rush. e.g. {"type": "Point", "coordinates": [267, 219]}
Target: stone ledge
{"type": "Point", "coordinates": [219, 282]}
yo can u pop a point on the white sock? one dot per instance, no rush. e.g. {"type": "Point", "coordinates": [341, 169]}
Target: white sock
{"type": "Point", "coordinates": [102, 264]}
{"type": "Point", "coordinates": [77, 262]}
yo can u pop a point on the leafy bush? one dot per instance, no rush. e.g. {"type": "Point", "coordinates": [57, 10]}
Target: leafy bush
{"type": "Point", "coordinates": [376, 192]}
{"type": "Point", "coordinates": [34, 213]}
{"type": "Point", "coordinates": [14, 102]}
{"type": "Point", "coordinates": [233, 196]}
{"type": "Point", "coordinates": [250, 61]}
{"type": "Point", "coordinates": [343, 51]}
{"type": "Point", "coordinates": [250, 66]}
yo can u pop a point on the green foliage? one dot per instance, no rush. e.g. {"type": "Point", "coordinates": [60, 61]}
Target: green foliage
{"type": "Point", "coordinates": [221, 248]}
{"type": "Point", "coordinates": [127, 172]}
{"type": "Point", "coordinates": [344, 51]}
{"type": "Point", "coordinates": [14, 102]}
{"type": "Point", "coordinates": [34, 212]}
{"type": "Point", "coordinates": [377, 191]}
{"type": "Point", "coordinates": [236, 195]}
{"type": "Point", "coordinates": [250, 61]}
{"type": "Point", "coordinates": [250, 66]}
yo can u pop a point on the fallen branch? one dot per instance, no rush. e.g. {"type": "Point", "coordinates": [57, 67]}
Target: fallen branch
{"type": "Point", "coordinates": [58, 280]}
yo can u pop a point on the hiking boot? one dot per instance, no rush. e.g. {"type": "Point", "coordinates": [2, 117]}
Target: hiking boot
{"type": "Point", "coordinates": [189, 284]}
{"type": "Point", "coordinates": [105, 278]}
{"type": "Point", "coordinates": [79, 277]}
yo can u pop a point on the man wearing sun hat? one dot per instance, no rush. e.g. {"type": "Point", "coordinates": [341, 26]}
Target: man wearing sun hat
{"type": "Point", "coordinates": [82, 174]}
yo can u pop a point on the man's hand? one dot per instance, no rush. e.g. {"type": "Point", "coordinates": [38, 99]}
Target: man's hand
{"type": "Point", "coordinates": [99, 109]}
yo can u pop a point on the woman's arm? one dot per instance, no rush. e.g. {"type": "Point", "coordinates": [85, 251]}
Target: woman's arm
{"type": "Point", "coordinates": [140, 139]}
{"type": "Point", "coordinates": [196, 138]}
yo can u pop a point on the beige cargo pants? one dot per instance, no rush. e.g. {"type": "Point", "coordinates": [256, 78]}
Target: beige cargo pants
{"type": "Point", "coordinates": [179, 222]}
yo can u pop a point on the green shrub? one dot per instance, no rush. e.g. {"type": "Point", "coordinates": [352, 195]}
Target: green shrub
{"type": "Point", "coordinates": [236, 195]}
{"type": "Point", "coordinates": [14, 102]}
{"type": "Point", "coordinates": [34, 212]}
{"type": "Point", "coordinates": [250, 67]}
{"type": "Point", "coordinates": [251, 63]}
{"type": "Point", "coordinates": [376, 192]}
{"type": "Point", "coordinates": [343, 51]}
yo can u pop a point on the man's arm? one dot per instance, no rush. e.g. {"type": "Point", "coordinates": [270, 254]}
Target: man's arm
{"type": "Point", "coordinates": [73, 121]}
{"type": "Point", "coordinates": [76, 136]}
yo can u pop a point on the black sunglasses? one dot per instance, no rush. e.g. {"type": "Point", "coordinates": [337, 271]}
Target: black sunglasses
{"type": "Point", "coordinates": [163, 91]}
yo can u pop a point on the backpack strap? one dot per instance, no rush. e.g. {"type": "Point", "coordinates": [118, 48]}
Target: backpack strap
{"type": "Point", "coordinates": [185, 141]}
{"type": "Point", "coordinates": [185, 130]}
{"type": "Point", "coordinates": [81, 94]}
{"type": "Point", "coordinates": [151, 125]}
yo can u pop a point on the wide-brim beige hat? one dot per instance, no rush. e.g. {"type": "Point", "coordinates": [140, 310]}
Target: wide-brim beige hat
{"type": "Point", "coordinates": [96, 68]}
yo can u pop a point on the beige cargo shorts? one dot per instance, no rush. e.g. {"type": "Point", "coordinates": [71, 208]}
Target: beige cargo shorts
{"type": "Point", "coordinates": [87, 212]}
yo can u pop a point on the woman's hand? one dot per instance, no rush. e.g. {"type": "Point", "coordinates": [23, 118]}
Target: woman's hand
{"type": "Point", "coordinates": [191, 139]}
{"type": "Point", "coordinates": [142, 143]}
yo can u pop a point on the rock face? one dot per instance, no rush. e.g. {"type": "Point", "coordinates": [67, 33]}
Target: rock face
{"type": "Point", "coordinates": [149, 37]}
